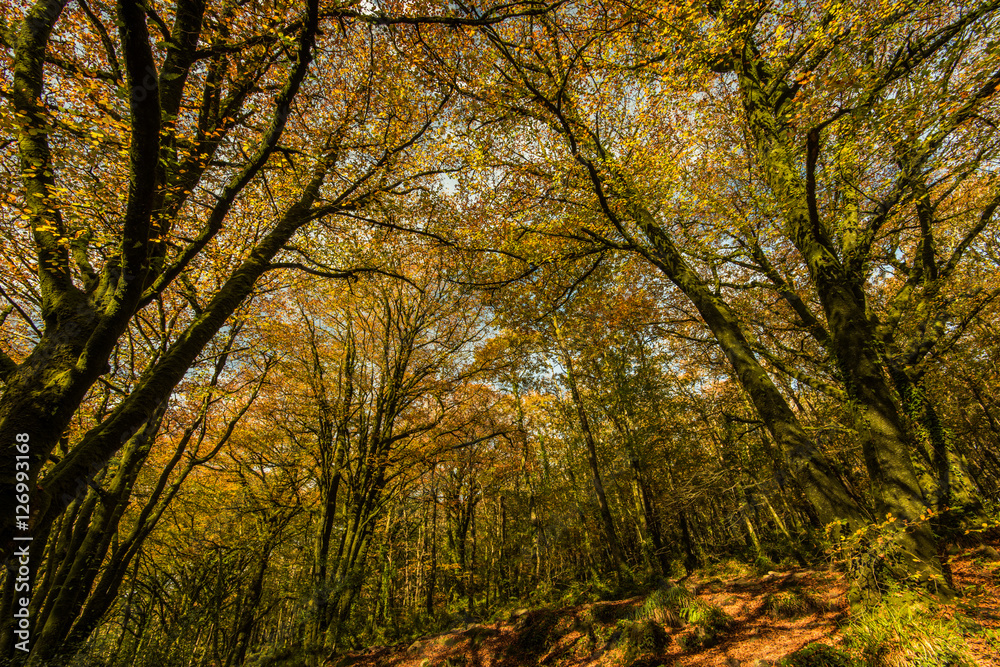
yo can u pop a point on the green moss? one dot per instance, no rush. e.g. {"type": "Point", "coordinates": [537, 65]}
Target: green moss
{"type": "Point", "coordinates": [641, 639]}
{"type": "Point", "coordinates": [698, 638]}
{"type": "Point", "coordinates": [604, 612]}
{"type": "Point", "coordinates": [728, 569]}
{"type": "Point", "coordinates": [818, 655]}
{"type": "Point", "coordinates": [762, 565]}
{"type": "Point", "coordinates": [793, 603]}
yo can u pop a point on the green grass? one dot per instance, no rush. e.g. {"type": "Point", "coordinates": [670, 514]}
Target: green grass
{"type": "Point", "coordinates": [905, 630]}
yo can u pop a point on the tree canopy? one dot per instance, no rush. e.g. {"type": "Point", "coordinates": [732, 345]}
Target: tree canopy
{"type": "Point", "coordinates": [323, 323]}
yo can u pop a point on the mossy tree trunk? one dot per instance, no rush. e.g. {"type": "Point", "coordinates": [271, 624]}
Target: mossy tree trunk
{"type": "Point", "coordinates": [837, 276]}
{"type": "Point", "coordinates": [82, 325]}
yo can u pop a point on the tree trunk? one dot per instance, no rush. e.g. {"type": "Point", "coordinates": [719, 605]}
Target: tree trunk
{"type": "Point", "coordinates": [851, 337]}
{"type": "Point", "coordinates": [607, 521]}
{"type": "Point", "coordinates": [812, 471]}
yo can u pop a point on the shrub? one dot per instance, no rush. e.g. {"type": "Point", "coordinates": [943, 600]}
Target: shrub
{"type": "Point", "coordinates": [676, 597]}
{"type": "Point", "coordinates": [578, 593]}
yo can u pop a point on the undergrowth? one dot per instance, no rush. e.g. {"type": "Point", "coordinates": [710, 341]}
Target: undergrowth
{"type": "Point", "coordinates": [641, 639]}
{"type": "Point", "coordinates": [709, 623]}
{"type": "Point", "coordinates": [762, 565]}
{"type": "Point", "coordinates": [792, 603]}
{"type": "Point", "coordinates": [664, 605]}
{"type": "Point", "coordinates": [907, 630]}
{"type": "Point", "coordinates": [819, 655]}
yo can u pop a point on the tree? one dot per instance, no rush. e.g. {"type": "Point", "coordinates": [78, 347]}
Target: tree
{"type": "Point", "coordinates": [93, 545]}
{"type": "Point", "coordinates": [591, 85]}
{"type": "Point", "coordinates": [545, 66]}
{"type": "Point", "coordinates": [162, 135]}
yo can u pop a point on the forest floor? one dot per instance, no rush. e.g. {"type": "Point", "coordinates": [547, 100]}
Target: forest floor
{"type": "Point", "coordinates": [593, 635]}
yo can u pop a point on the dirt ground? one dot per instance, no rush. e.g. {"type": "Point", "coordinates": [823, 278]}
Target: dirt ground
{"type": "Point", "coordinates": [557, 637]}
